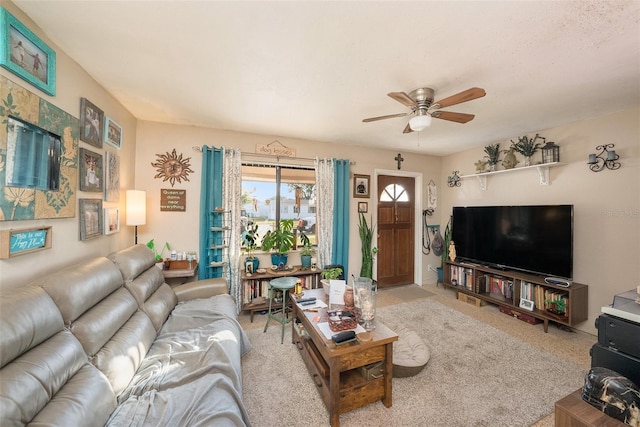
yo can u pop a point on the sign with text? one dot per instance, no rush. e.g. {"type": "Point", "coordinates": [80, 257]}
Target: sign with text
{"type": "Point", "coordinates": [275, 150]}
{"type": "Point", "coordinates": [18, 242]}
{"type": "Point", "coordinates": [172, 200]}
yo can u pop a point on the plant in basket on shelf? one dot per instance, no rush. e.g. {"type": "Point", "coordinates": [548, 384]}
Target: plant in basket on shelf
{"type": "Point", "coordinates": [250, 241]}
{"type": "Point", "coordinates": [281, 241]}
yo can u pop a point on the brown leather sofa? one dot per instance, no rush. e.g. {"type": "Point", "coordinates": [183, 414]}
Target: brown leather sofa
{"type": "Point", "coordinates": [108, 342]}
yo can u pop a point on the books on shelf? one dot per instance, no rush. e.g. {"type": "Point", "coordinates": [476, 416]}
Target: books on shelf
{"type": "Point", "coordinates": [543, 297]}
{"type": "Point", "coordinates": [500, 288]}
{"type": "Point", "coordinates": [462, 276]}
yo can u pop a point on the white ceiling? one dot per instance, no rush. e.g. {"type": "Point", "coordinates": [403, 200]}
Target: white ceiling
{"type": "Point", "coordinates": [315, 69]}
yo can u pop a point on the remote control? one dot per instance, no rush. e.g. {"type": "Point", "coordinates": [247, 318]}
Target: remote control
{"type": "Point", "coordinates": [344, 337]}
{"type": "Point", "coordinates": [307, 302]}
{"type": "Point", "coordinates": [303, 300]}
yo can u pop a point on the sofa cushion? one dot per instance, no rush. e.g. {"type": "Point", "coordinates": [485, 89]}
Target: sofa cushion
{"type": "Point", "coordinates": [46, 377]}
{"type": "Point", "coordinates": [76, 289]}
{"type": "Point", "coordinates": [133, 260]}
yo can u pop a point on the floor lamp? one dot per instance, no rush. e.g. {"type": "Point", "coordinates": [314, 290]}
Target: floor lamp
{"type": "Point", "coordinates": [136, 210]}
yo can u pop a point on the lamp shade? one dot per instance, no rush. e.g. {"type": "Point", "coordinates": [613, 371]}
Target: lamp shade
{"type": "Point", "coordinates": [136, 207]}
{"type": "Point", "coordinates": [419, 123]}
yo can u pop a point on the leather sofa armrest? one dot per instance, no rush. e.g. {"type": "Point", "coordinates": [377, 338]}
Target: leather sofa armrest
{"type": "Point", "coordinates": [201, 289]}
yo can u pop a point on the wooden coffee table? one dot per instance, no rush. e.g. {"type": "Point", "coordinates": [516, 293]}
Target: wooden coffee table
{"type": "Point", "coordinates": [336, 369]}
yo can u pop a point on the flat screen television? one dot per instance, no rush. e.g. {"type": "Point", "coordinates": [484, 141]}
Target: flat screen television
{"type": "Point", "coordinates": [533, 239]}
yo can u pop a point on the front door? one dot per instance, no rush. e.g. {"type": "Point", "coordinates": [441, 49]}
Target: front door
{"type": "Point", "coordinates": [396, 200]}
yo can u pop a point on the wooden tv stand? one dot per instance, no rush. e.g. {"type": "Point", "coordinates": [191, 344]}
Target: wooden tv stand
{"type": "Point", "coordinates": [478, 281]}
{"type": "Point", "coordinates": [336, 369]}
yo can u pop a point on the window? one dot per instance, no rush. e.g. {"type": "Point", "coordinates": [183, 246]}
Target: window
{"type": "Point", "coordinates": [394, 193]}
{"type": "Point", "coordinates": [274, 193]}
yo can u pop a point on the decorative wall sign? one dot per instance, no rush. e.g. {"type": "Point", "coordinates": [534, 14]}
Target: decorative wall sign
{"type": "Point", "coordinates": [173, 200]}
{"type": "Point", "coordinates": [112, 133]}
{"type": "Point", "coordinates": [111, 220]}
{"type": "Point", "coordinates": [25, 55]}
{"type": "Point", "coordinates": [91, 171]}
{"type": "Point", "coordinates": [172, 167]}
{"type": "Point", "coordinates": [18, 203]}
{"type": "Point", "coordinates": [90, 218]}
{"type": "Point", "coordinates": [20, 242]}
{"type": "Point", "coordinates": [112, 177]}
{"type": "Point", "coordinates": [91, 123]}
{"type": "Point", "coordinates": [275, 148]}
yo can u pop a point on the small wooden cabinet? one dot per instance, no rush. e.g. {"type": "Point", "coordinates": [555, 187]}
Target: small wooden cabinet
{"type": "Point", "coordinates": [519, 291]}
{"type": "Point", "coordinates": [255, 287]}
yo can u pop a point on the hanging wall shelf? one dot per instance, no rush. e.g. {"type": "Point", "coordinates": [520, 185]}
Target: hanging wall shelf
{"type": "Point", "coordinates": [543, 172]}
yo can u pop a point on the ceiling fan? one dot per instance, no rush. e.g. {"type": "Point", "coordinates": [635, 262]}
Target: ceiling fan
{"type": "Point", "coordinates": [421, 103]}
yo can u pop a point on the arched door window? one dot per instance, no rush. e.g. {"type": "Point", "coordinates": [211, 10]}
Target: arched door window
{"type": "Point", "coordinates": [394, 193]}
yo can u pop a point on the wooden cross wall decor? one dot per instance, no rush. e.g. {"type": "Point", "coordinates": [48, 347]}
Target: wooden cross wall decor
{"type": "Point", "coordinates": [399, 159]}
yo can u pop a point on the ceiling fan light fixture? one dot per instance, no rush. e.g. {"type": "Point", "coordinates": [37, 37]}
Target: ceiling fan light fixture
{"type": "Point", "coordinates": [421, 122]}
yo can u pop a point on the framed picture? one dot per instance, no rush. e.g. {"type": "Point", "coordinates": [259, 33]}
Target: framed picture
{"type": "Point", "coordinates": [111, 220]}
{"type": "Point", "coordinates": [526, 304]}
{"type": "Point", "coordinates": [25, 55]}
{"type": "Point", "coordinates": [112, 133]}
{"type": "Point", "coordinates": [363, 207]}
{"type": "Point", "coordinates": [111, 177]}
{"type": "Point", "coordinates": [90, 167]}
{"type": "Point", "coordinates": [91, 123]}
{"type": "Point", "coordinates": [361, 186]}
{"type": "Point", "coordinates": [90, 218]}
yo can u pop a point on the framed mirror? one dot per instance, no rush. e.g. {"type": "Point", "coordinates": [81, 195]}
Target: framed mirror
{"type": "Point", "coordinates": [33, 156]}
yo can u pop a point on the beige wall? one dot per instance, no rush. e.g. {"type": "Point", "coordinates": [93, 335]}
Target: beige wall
{"type": "Point", "coordinates": [606, 204]}
{"type": "Point", "coordinates": [180, 229]}
{"type": "Point", "coordinates": [72, 84]}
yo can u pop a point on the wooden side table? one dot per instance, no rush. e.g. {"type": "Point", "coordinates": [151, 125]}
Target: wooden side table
{"type": "Point", "coordinates": [181, 275]}
{"type": "Point", "coordinates": [572, 411]}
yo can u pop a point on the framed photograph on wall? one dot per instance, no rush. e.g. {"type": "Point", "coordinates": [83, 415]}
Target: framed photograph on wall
{"type": "Point", "coordinates": [25, 55]}
{"type": "Point", "coordinates": [91, 123]}
{"type": "Point", "coordinates": [91, 170]}
{"type": "Point", "coordinates": [363, 207]}
{"type": "Point", "coordinates": [361, 186]}
{"type": "Point", "coordinates": [90, 218]}
{"type": "Point", "coordinates": [112, 133]}
{"type": "Point", "coordinates": [111, 220]}
{"type": "Point", "coordinates": [111, 177]}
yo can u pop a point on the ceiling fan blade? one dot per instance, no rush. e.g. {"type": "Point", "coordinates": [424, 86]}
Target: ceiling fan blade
{"type": "Point", "coordinates": [452, 117]}
{"type": "Point", "coordinates": [407, 129]}
{"type": "Point", "coordinates": [464, 96]}
{"type": "Point", "coordinates": [390, 116]}
{"type": "Point", "coordinates": [402, 98]}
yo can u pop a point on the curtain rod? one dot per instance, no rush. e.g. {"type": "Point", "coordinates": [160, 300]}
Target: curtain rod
{"type": "Point", "coordinates": [277, 158]}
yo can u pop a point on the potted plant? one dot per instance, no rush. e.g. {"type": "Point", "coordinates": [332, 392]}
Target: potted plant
{"type": "Point", "coordinates": [445, 251]}
{"type": "Point", "coordinates": [250, 241]}
{"type": "Point", "coordinates": [280, 241]}
{"type": "Point", "coordinates": [307, 251]}
{"type": "Point", "coordinates": [329, 274]}
{"type": "Point", "coordinates": [527, 147]}
{"type": "Point", "coordinates": [152, 245]}
{"type": "Point", "coordinates": [366, 237]}
{"type": "Point", "coordinates": [558, 306]}
{"type": "Point", "coordinates": [493, 155]}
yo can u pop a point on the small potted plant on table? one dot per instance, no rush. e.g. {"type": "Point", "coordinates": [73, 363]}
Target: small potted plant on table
{"type": "Point", "coordinates": [306, 252]}
{"type": "Point", "coordinates": [152, 245]}
{"type": "Point", "coordinates": [250, 242]}
{"type": "Point", "coordinates": [329, 274]}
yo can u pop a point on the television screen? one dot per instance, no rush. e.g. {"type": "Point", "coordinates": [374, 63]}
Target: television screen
{"type": "Point", "coordinates": [534, 239]}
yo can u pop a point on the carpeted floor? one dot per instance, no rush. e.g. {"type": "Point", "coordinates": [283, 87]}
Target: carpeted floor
{"type": "Point", "coordinates": [477, 355]}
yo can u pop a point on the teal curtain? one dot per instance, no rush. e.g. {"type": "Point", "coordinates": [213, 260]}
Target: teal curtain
{"type": "Point", "coordinates": [210, 198]}
{"type": "Point", "coordinates": [340, 241]}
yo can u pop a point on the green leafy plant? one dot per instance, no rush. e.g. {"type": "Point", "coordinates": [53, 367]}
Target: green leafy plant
{"type": "Point", "coordinates": [152, 245]}
{"type": "Point", "coordinates": [526, 146]}
{"type": "Point", "coordinates": [250, 240]}
{"type": "Point", "coordinates": [281, 239]}
{"type": "Point", "coordinates": [493, 153]}
{"type": "Point", "coordinates": [331, 273]}
{"type": "Point", "coordinates": [447, 239]}
{"type": "Point", "coordinates": [559, 305]}
{"type": "Point", "coordinates": [307, 248]}
{"type": "Point", "coordinates": [366, 237]}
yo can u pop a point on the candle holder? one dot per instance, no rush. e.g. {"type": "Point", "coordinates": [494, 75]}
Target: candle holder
{"type": "Point", "coordinates": [606, 158]}
{"type": "Point", "coordinates": [369, 310]}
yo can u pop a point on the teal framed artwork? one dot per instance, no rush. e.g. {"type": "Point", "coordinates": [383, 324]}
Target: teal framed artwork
{"type": "Point", "coordinates": [25, 55]}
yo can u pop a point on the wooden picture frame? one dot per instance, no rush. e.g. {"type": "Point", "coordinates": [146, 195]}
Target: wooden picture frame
{"type": "Point", "coordinates": [90, 215]}
{"type": "Point", "coordinates": [112, 133]}
{"type": "Point", "coordinates": [91, 123]}
{"type": "Point", "coordinates": [361, 186]}
{"type": "Point", "coordinates": [111, 177]}
{"type": "Point", "coordinates": [363, 207]}
{"type": "Point", "coordinates": [91, 171]}
{"type": "Point", "coordinates": [111, 220]}
{"type": "Point", "coordinates": [25, 55]}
